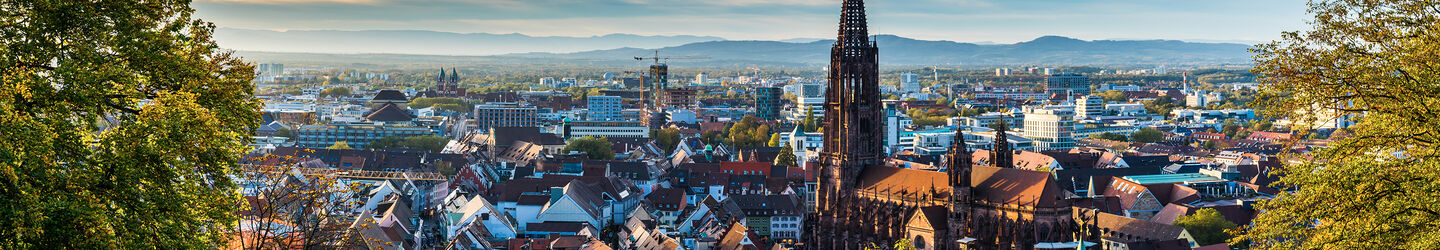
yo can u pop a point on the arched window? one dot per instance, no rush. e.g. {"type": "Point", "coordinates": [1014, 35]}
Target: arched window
{"type": "Point", "coordinates": [919, 242]}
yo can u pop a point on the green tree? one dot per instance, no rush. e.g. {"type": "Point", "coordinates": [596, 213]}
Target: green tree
{"type": "Point", "coordinates": [786, 157]}
{"type": "Point", "coordinates": [1161, 106]}
{"type": "Point", "coordinates": [774, 140]}
{"type": "Point", "coordinates": [1147, 135]}
{"type": "Point", "coordinates": [335, 91]}
{"type": "Point", "coordinates": [1110, 136]}
{"type": "Point", "coordinates": [749, 133]}
{"type": "Point", "coordinates": [597, 148]}
{"type": "Point", "coordinates": [1113, 96]}
{"type": "Point", "coordinates": [1207, 226]}
{"type": "Point", "coordinates": [1375, 187]}
{"type": "Point", "coordinates": [122, 123]}
{"type": "Point", "coordinates": [667, 139]}
{"type": "Point", "coordinates": [339, 145]}
{"type": "Point", "coordinates": [810, 124]}
{"type": "Point", "coordinates": [1230, 128]}
{"type": "Point", "coordinates": [285, 132]}
{"type": "Point", "coordinates": [431, 143]}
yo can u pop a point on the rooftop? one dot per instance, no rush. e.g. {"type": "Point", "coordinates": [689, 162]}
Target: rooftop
{"type": "Point", "coordinates": [1169, 178]}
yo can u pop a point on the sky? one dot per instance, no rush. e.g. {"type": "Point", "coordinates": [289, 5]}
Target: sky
{"type": "Point", "coordinates": [977, 21]}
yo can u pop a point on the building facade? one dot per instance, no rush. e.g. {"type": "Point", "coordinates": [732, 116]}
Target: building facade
{"type": "Point", "coordinates": [767, 103]}
{"type": "Point", "coordinates": [1067, 84]}
{"type": "Point", "coordinates": [505, 114]}
{"type": "Point", "coordinates": [603, 108]}
{"type": "Point", "coordinates": [1051, 129]}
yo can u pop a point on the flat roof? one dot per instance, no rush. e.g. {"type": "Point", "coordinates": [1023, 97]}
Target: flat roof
{"type": "Point", "coordinates": [1169, 178]}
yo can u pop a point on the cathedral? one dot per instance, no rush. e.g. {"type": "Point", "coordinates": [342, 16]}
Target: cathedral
{"type": "Point", "coordinates": [970, 205]}
{"type": "Point", "coordinates": [446, 86]}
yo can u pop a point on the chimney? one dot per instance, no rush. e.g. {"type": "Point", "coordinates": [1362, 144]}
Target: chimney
{"type": "Point", "coordinates": [556, 193]}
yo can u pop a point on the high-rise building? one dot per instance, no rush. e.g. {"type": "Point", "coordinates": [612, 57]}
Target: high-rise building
{"type": "Point", "coordinates": [603, 108]}
{"type": "Point", "coordinates": [1052, 129]}
{"type": "Point", "coordinates": [909, 82]}
{"type": "Point", "coordinates": [767, 103]}
{"type": "Point", "coordinates": [700, 78]}
{"type": "Point", "coordinates": [1089, 106]}
{"type": "Point", "coordinates": [505, 114]}
{"type": "Point", "coordinates": [1067, 84]}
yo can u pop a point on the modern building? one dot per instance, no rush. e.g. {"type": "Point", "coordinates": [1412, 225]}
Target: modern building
{"type": "Point", "coordinates": [1067, 84]}
{"type": "Point", "coordinates": [677, 98]}
{"type": "Point", "coordinates": [603, 108]}
{"type": "Point", "coordinates": [1089, 106]}
{"type": "Point", "coordinates": [909, 82]}
{"type": "Point", "coordinates": [609, 129]}
{"type": "Point", "coordinates": [767, 103]}
{"type": "Point", "coordinates": [505, 114]}
{"type": "Point", "coordinates": [1051, 129]}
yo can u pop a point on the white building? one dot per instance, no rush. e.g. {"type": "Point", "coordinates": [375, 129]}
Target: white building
{"type": "Point", "coordinates": [1051, 129]}
{"type": "Point", "coordinates": [1089, 106]}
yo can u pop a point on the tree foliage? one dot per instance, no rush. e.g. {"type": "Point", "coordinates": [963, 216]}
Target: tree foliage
{"type": "Point", "coordinates": [442, 103]}
{"type": "Point", "coordinates": [1207, 226]}
{"type": "Point", "coordinates": [1376, 187]}
{"type": "Point", "coordinates": [339, 145]}
{"type": "Point", "coordinates": [786, 157]}
{"type": "Point", "coordinates": [667, 139]}
{"type": "Point", "coordinates": [1161, 106]}
{"type": "Point", "coordinates": [749, 133]}
{"type": "Point", "coordinates": [1147, 135]}
{"type": "Point", "coordinates": [335, 91]}
{"type": "Point", "coordinates": [311, 211]}
{"type": "Point", "coordinates": [597, 148]}
{"type": "Point", "coordinates": [430, 143]}
{"type": "Point", "coordinates": [121, 123]}
{"type": "Point", "coordinates": [1110, 136]}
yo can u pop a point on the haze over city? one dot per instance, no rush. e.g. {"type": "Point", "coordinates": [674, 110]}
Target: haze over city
{"type": "Point", "coordinates": [971, 21]}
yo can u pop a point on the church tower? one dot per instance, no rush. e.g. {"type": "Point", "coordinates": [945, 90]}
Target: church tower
{"type": "Point", "coordinates": [1002, 156]}
{"type": "Point", "coordinates": [958, 166]}
{"type": "Point", "coordinates": [853, 128]}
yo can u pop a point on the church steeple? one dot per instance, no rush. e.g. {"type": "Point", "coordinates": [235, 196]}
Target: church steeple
{"type": "Point", "coordinates": [441, 79]}
{"type": "Point", "coordinates": [1001, 156]}
{"type": "Point", "coordinates": [853, 118]}
{"type": "Point", "coordinates": [957, 161]}
{"type": "Point", "coordinates": [454, 76]}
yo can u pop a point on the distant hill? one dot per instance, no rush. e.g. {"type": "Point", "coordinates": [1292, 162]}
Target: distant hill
{"type": "Point", "coordinates": [895, 50]}
{"type": "Point", "coordinates": [419, 47]}
{"type": "Point", "coordinates": [432, 42]}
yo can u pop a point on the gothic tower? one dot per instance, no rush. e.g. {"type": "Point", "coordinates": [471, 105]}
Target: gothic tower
{"type": "Point", "coordinates": [853, 123]}
{"type": "Point", "coordinates": [958, 166]}
{"type": "Point", "coordinates": [1002, 155]}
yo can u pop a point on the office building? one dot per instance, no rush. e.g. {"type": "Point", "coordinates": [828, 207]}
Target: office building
{"type": "Point", "coordinates": [1067, 84]}
{"type": "Point", "coordinates": [1052, 129]}
{"type": "Point", "coordinates": [505, 114]}
{"type": "Point", "coordinates": [1089, 106]}
{"type": "Point", "coordinates": [603, 108]}
{"type": "Point", "coordinates": [608, 129]}
{"type": "Point", "coordinates": [767, 103]}
{"type": "Point", "coordinates": [909, 82]}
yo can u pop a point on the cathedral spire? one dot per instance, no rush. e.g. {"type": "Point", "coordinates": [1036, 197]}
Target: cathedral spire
{"type": "Point", "coordinates": [853, 28]}
{"type": "Point", "coordinates": [442, 76]}
{"type": "Point", "coordinates": [1001, 156]}
{"type": "Point", "coordinates": [958, 161]}
{"type": "Point", "coordinates": [454, 76]}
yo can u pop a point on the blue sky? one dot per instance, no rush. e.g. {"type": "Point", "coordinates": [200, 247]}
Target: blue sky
{"type": "Point", "coordinates": [1002, 21]}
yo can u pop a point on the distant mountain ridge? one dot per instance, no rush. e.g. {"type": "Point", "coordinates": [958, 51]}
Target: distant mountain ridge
{"type": "Point", "coordinates": [618, 49]}
{"type": "Point", "coordinates": [895, 50]}
{"type": "Point", "coordinates": [432, 42]}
